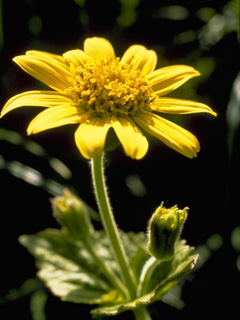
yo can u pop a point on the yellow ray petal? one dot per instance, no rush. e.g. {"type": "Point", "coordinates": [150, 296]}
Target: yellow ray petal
{"type": "Point", "coordinates": [46, 55]}
{"type": "Point", "coordinates": [77, 57]}
{"type": "Point", "coordinates": [46, 69]}
{"type": "Point", "coordinates": [140, 58]}
{"type": "Point", "coordinates": [54, 117]}
{"type": "Point", "coordinates": [167, 79]}
{"type": "Point", "coordinates": [168, 132]}
{"type": "Point", "coordinates": [99, 49]}
{"type": "Point", "coordinates": [133, 141]}
{"type": "Point", "coordinates": [180, 106]}
{"type": "Point", "coordinates": [36, 99]}
{"type": "Point", "coordinates": [90, 136]}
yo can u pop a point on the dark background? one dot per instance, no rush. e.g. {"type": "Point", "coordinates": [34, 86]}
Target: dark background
{"type": "Point", "coordinates": [198, 33]}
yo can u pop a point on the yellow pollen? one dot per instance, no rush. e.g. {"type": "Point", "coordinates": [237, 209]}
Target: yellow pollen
{"type": "Point", "coordinates": [109, 87]}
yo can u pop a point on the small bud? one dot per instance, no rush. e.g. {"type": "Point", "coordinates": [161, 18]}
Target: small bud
{"type": "Point", "coordinates": [164, 230]}
{"type": "Point", "coordinates": [71, 213]}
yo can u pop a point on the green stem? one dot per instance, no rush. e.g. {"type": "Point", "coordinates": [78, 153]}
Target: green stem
{"type": "Point", "coordinates": [141, 313]}
{"type": "Point", "coordinates": [110, 224]}
{"type": "Point", "coordinates": [107, 271]}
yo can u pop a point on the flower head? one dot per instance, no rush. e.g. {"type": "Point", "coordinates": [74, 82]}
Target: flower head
{"type": "Point", "coordinates": [99, 91]}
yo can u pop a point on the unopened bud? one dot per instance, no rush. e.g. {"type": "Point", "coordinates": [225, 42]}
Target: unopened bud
{"type": "Point", "coordinates": [71, 214]}
{"type": "Point", "coordinates": [164, 230]}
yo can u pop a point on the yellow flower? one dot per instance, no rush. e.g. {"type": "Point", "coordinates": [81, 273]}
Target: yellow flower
{"type": "Point", "coordinates": [99, 91]}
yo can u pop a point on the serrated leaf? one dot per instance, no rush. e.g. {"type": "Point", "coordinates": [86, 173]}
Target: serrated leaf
{"type": "Point", "coordinates": [166, 285]}
{"type": "Point", "coordinates": [119, 308]}
{"type": "Point", "coordinates": [137, 261]}
{"type": "Point", "coordinates": [70, 271]}
{"type": "Point", "coordinates": [65, 267]}
{"type": "Point", "coordinates": [164, 275]}
{"type": "Point", "coordinates": [110, 298]}
{"type": "Point", "coordinates": [157, 271]}
{"type": "Point", "coordinates": [72, 274]}
{"type": "Point", "coordinates": [131, 241]}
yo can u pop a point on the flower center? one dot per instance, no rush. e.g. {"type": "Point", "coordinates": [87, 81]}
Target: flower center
{"type": "Point", "coordinates": [110, 87]}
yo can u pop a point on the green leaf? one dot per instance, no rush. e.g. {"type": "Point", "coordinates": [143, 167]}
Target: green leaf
{"type": "Point", "coordinates": [156, 273]}
{"type": "Point", "coordinates": [131, 241]}
{"type": "Point", "coordinates": [119, 308]}
{"type": "Point", "coordinates": [73, 274]}
{"type": "Point", "coordinates": [157, 278]}
{"type": "Point", "coordinates": [138, 260]}
{"type": "Point", "coordinates": [70, 271]}
{"type": "Point", "coordinates": [111, 298]}
{"type": "Point", "coordinates": [66, 267]}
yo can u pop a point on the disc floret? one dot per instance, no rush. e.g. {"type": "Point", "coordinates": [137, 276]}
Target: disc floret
{"type": "Point", "coordinates": [110, 87]}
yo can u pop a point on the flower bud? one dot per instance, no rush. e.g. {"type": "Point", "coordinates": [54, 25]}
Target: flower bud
{"type": "Point", "coordinates": [164, 230]}
{"type": "Point", "coordinates": [71, 214]}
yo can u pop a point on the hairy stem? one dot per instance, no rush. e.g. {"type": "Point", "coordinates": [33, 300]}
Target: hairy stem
{"type": "Point", "coordinates": [110, 224]}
